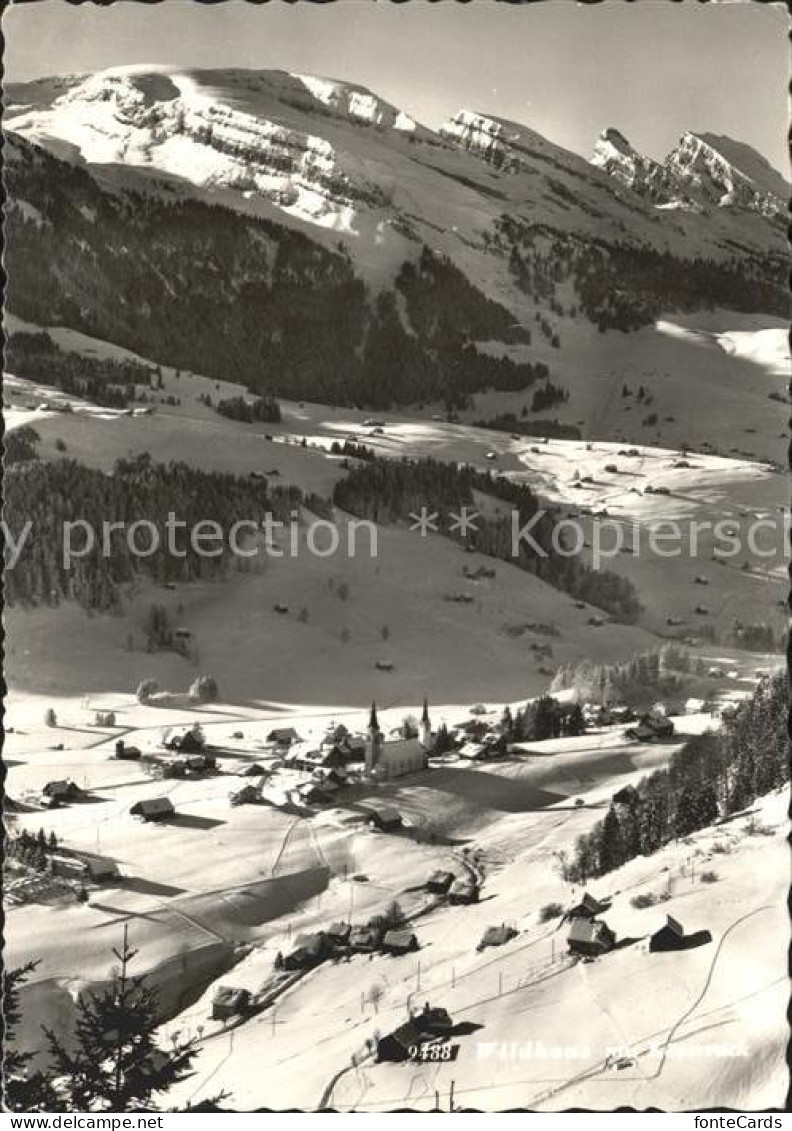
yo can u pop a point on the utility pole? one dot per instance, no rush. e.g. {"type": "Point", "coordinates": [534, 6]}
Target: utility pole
{"type": "Point", "coordinates": [451, 1097]}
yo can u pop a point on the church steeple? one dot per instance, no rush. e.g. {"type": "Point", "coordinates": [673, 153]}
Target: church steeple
{"type": "Point", "coordinates": [374, 743]}
{"type": "Point", "coordinates": [426, 727]}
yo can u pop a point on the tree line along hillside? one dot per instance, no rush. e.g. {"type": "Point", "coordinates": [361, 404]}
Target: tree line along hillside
{"type": "Point", "coordinates": [389, 491]}
{"type": "Point", "coordinates": [110, 382]}
{"type": "Point", "coordinates": [712, 775]}
{"type": "Point", "coordinates": [639, 682]}
{"type": "Point", "coordinates": [203, 288]}
{"type": "Point", "coordinates": [623, 286]}
{"type": "Point", "coordinates": [51, 494]}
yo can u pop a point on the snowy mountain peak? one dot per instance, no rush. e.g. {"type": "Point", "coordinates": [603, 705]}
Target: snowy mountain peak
{"type": "Point", "coordinates": [358, 104]}
{"type": "Point", "coordinates": [702, 171]}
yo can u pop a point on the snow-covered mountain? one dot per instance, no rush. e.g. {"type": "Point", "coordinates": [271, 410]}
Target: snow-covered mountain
{"type": "Point", "coordinates": [703, 171]}
{"type": "Point", "coordinates": [485, 224]}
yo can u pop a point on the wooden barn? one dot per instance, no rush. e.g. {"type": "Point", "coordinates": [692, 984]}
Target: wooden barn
{"type": "Point", "coordinates": [588, 908]}
{"type": "Point", "coordinates": [153, 809]}
{"type": "Point", "coordinates": [364, 939]}
{"type": "Point", "coordinates": [309, 951]}
{"type": "Point", "coordinates": [590, 937]}
{"type": "Point", "coordinates": [440, 882]}
{"type": "Point", "coordinates": [338, 934]}
{"type": "Point", "coordinates": [283, 736]}
{"type": "Point", "coordinates": [395, 1047]}
{"type": "Point", "coordinates": [383, 817]}
{"type": "Point", "coordinates": [399, 942]}
{"type": "Point", "coordinates": [463, 890]}
{"type": "Point", "coordinates": [128, 753]}
{"type": "Point", "coordinates": [62, 791]}
{"type": "Point", "coordinates": [672, 937]}
{"type": "Point", "coordinates": [228, 1002]}
{"type": "Point", "coordinates": [497, 936]}
{"type": "Point", "coordinates": [431, 1024]}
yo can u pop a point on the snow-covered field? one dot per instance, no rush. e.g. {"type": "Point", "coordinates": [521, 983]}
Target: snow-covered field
{"type": "Point", "coordinates": [212, 895]}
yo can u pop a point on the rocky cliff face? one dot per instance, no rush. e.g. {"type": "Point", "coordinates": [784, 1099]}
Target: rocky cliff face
{"type": "Point", "coordinates": [701, 172]}
{"type": "Point", "coordinates": [712, 179]}
{"type": "Point", "coordinates": [615, 156]}
{"type": "Point", "coordinates": [244, 140]}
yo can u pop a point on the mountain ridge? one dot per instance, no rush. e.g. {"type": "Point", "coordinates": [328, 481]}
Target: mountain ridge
{"type": "Point", "coordinates": [495, 231]}
{"type": "Point", "coordinates": [704, 170]}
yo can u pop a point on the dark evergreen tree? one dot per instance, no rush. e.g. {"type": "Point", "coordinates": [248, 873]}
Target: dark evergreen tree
{"type": "Point", "coordinates": [114, 1062]}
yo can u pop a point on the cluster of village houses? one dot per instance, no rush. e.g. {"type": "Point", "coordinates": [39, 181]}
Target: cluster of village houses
{"type": "Point", "coordinates": [341, 758]}
{"type": "Point", "coordinates": [588, 937]}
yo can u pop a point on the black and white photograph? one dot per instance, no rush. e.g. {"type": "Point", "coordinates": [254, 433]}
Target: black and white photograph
{"type": "Point", "coordinates": [396, 558]}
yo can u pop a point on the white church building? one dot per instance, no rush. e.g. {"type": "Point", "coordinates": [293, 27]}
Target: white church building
{"type": "Point", "coordinates": [396, 755]}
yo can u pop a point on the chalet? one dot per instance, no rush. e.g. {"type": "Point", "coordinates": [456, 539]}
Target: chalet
{"type": "Point", "coordinates": [440, 882]}
{"type": "Point", "coordinates": [300, 756]}
{"type": "Point", "coordinates": [283, 736]}
{"type": "Point", "coordinates": [62, 791]}
{"type": "Point", "coordinates": [395, 1047]}
{"type": "Point", "coordinates": [431, 1024]}
{"type": "Point", "coordinates": [129, 753]}
{"type": "Point", "coordinates": [474, 751]}
{"type": "Point", "coordinates": [399, 942]}
{"type": "Point", "coordinates": [463, 890]}
{"type": "Point", "coordinates": [672, 937]}
{"type": "Point", "coordinates": [310, 793]}
{"type": "Point", "coordinates": [497, 936]}
{"type": "Point", "coordinates": [588, 908]}
{"type": "Point", "coordinates": [309, 951]}
{"type": "Point", "coordinates": [153, 809]}
{"type": "Point", "coordinates": [201, 763]}
{"type": "Point", "coordinates": [590, 937]}
{"type": "Point", "coordinates": [651, 728]}
{"type": "Point", "coordinates": [338, 934]}
{"type": "Point", "coordinates": [364, 939]}
{"type": "Point", "coordinates": [383, 817]}
{"type": "Point", "coordinates": [230, 1001]}
{"type": "Point", "coordinates": [177, 768]}
{"type": "Point", "coordinates": [433, 1020]}
{"type": "Point", "coordinates": [191, 742]}
{"type": "Point", "coordinates": [325, 758]}
{"type": "Point", "coordinates": [248, 794]}
{"type": "Point", "coordinates": [474, 728]}
{"type": "Point", "coordinates": [354, 748]}
{"type": "Point", "coordinates": [83, 867]}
